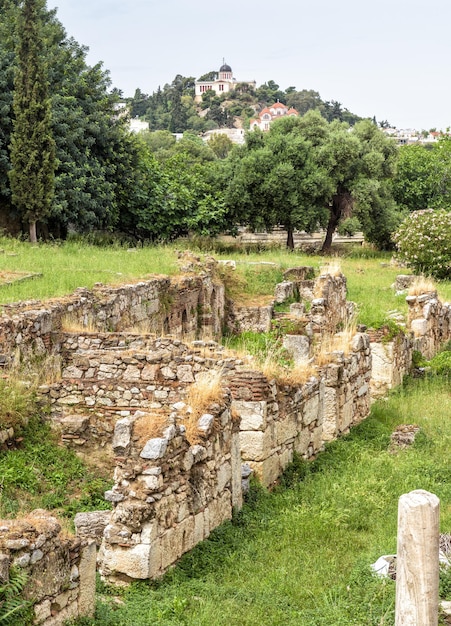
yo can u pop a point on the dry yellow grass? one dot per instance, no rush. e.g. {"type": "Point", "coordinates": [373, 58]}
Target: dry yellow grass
{"type": "Point", "coordinates": [206, 390]}
{"type": "Point", "coordinates": [422, 284]}
{"type": "Point", "coordinates": [149, 426]}
{"type": "Point", "coordinates": [72, 324]}
{"type": "Point", "coordinates": [340, 342]}
{"type": "Point", "coordinates": [298, 375]}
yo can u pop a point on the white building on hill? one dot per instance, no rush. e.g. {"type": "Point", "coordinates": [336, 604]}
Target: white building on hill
{"type": "Point", "coordinates": [223, 83]}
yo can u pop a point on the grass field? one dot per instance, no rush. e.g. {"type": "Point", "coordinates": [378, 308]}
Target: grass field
{"type": "Point", "coordinates": [64, 267]}
{"type": "Point", "coordinates": [301, 555]}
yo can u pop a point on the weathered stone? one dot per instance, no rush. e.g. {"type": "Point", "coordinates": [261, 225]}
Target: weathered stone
{"type": "Point", "coordinates": [298, 346]}
{"type": "Point", "coordinates": [154, 448]}
{"type": "Point", "coordinates": [205, 423]}
{"type": "Point", "coordinates": [285, 291]}
{"type": "Point", "coordinates": [122, 437]}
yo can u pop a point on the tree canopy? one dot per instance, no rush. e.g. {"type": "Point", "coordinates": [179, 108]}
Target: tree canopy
{"type": "Point", "coordinates": [307, 173]}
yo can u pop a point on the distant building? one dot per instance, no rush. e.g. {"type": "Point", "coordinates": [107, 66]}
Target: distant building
{"type": "Point", "coordinates": [136, 125]}
{"type": "Point", "coordinates": [269, 114]}
{"type": "Point", "coordinates": [223, 83]}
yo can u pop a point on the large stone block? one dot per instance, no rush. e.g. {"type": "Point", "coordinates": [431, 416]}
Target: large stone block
{"type": "Point", "coordinates": [255, 445]}
{"type": "Point", "coordinates": [298, 346]}
{"type": "Point", "coordinates": [253, 414]}
{"type": "Point", "coordinates": [87, 580]}
{"type": "Point", "coordinates": [133, 562]}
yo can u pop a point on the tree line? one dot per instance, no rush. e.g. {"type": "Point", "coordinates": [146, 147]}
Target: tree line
{"type": "Point", "coordinates": [69, 163]}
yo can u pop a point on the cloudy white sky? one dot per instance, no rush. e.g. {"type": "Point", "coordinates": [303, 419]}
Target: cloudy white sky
{"type": "Point", "coordinates": [389, 58]}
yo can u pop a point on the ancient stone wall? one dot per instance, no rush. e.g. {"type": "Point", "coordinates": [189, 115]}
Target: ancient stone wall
{"type": "Point", "coordinates": [392, 360]}
{"type": "Point", "coordinates": [430, 322]}
{"type": "Point", "coordinates": [61, 570]}
{"type": "Point", "coordinates": [127, 393]}
{"type": "Point", "coordinates": [168, 494]}
{"type": "Point", "coordinates": [182, 306]}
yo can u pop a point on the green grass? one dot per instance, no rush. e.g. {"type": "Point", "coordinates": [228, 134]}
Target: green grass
{"type": "Point", "coordinates": [41, 474]}
{"type": "Point", "coordinates": [301, 554]}
{"type": "Point", "coordinates": [70, 265]}
{"type": "Point", "coordinates": [64, 267]}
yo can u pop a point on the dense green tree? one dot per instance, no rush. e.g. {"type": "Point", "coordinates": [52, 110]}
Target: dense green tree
{"type": "Point", "coordinates": [274, 180]}
{"type": "Point", "coordinates": [220, 144]}
{"type": "Point", "coordinates": [304, 100]}
{"type": "Point", "coordinates": [139, 104]}
{"type": "Point", "coordinates": [33, 160]}
{"type": "Point", "coordinates": [423, 177]}
{"type": "Point", "coordinates": [307, 173]}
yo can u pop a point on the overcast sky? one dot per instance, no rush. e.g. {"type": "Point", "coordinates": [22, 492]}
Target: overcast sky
{"type": "Point", "coordinates": [389, 58]}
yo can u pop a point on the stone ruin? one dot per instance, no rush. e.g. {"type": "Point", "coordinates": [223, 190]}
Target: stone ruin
{"type": "Point", "coordinates": [125, 391]}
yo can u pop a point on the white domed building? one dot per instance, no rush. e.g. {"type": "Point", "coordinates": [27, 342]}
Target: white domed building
{"type": "Point", "coordinates": [223, 83]}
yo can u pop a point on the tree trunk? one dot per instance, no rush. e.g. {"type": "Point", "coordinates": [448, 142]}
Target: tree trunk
{"type": "Point", "coordinates": [290, 240]}
{"type": "Point", "coordinates": [341, 206]}
{"type": "Point", "coordinates": [32, 231]}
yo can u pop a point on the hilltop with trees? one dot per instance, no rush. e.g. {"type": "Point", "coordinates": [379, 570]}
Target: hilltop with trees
{"type": "Point", "coordinates": [173, 107]}
{"type": "Point", "coordinates": [69, 163]}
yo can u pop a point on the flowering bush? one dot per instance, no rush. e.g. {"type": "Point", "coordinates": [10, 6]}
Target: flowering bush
{"type": "Point", "coordinates": [424, 242]}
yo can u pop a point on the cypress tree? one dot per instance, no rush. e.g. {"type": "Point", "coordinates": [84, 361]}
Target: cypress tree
{"type": "Point", "coordinates": [33, 159]}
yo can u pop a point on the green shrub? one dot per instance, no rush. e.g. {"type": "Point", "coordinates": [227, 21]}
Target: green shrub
{"type": "Point", "coordinates": [424, 242]}
{"type": "Point", "coordinates": [17, 404]}
{"type": "Point", "coordinates": [14, 609]}
{"type": "Point", "coordinates": [441, 363]}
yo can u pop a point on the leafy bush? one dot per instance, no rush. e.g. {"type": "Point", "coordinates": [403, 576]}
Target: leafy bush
{"type": "Point", "coordinates": [441, 363]}
{"type": "Point", "coordinates": [424, 242]}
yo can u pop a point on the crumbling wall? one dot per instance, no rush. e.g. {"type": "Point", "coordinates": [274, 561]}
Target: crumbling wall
{"type": "Point", "coordinates": [391, 359]}
{"type": "Point", "coordinates": [61, 570]}
{"type": "Point", "coordinates": [182, 306]}
{"type": "Point", "coordinates": [430, 322]}
{"type": "Point", "coordinates": [168, 494]}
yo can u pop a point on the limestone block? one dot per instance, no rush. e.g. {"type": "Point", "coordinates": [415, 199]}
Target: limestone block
{"type": "Point", "coordinates": [299, 273]}
{"type": "Point", "coordinates": [286, 430]}
{"type": "Point", "coordinates": [311, 410]}
{"type": "Point", "coordinates": [268, 471]}
{"type": "Point", "coordinates": [285, 291]}
{"type": "Point", "coordinates": [149, 372]}
{"type": "Point", "coordinates": [185, 373]}
{"type": "Point", "coordinates": [205, 423]}
{"type": "Point", "coordinates": [285, 458]}
{"type": "Point", "coordinates": [330, 414]}
{"type": "Point", "coordinates": [199, 528]}
{"type": "Point", "coordinates": [132, 373]}
{"type": "Point", "coordinates": [253, 414]}
{"type": "Point", "coordinates": [42, 611]}
{"type": "Point", "coordinates": [171, 547]}
{"type": "Point", "coordinates": [317, 438]}
{"type": "Point", "coordinates": [224, 476]}
{"type": "Point", "coordinates": [419, 327]}
{"type": "Point", "coordinates": [74, 424]}
{"type": "Point", "coordinates": [236, 469]}
{"type": "Point", "coordinates": [122, 437]}
{"type": "Point", "coordinates": [151, 483]}
{"type": "Point", "coordinates": [72, 372]}
{"type": "Point", "coordinates": [255, 445]}
{"type": "Point", "coordinates": [302, 442]}
{"type": "Point", "coordinates": [154, 448]}
{"type": "Point", "coordinates": [70, 612]}
{"type": "Point", "coordinates": [4, 568]}
{"type": "Point", "coordinates": [133, 561]}
{"type": "Point", "coordinates": [382, 362]}
{"type": "Point", "coordinates": [297, 309]}
{"type": "Point", "coordinates": [346, 417]}
{"type": "Point", "coordinates": [298, 346]}
{"type": "Point", "coordinates": [168, 373]}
